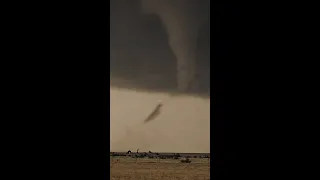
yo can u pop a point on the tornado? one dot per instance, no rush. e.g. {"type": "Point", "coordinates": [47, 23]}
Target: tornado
{"type": "Point", "coordinates": [182, 20]}
{"type": "Point", "coordinates": [153, 114]}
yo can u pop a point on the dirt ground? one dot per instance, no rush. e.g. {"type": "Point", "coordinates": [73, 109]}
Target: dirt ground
{"type": "Point", "coordinates": [164, 169]}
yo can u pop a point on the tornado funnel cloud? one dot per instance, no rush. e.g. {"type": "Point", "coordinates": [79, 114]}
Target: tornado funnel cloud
{"type": "Point", "coordinates": [182, 20]}
{"type": "Point", "coordinates": [153, 114]}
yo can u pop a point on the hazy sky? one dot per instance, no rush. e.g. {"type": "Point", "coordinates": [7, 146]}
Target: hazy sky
{"type": "Point", "coordinates": [182, 126]}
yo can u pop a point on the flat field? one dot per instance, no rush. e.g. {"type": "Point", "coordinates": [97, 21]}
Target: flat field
{"type": "Point", "coordinates": [127, 168]}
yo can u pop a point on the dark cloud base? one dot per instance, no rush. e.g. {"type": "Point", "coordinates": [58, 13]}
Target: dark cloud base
{"type": "Point", "coordinates": [141, 58]}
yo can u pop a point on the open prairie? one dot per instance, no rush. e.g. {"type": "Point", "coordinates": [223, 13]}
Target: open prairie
{"type": "Point", "coordinates": [128, 168]}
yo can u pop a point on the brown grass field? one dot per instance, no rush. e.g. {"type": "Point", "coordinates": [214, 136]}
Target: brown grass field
{"type": "Point", "coordinates": [163, 169]}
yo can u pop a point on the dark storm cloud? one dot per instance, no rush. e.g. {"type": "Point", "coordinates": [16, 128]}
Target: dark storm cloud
{"type": "Point", "coordinates": [140, 49]}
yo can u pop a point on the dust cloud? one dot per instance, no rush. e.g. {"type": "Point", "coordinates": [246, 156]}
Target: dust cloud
{"type": "Point", "coordinates": [182, 126]}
